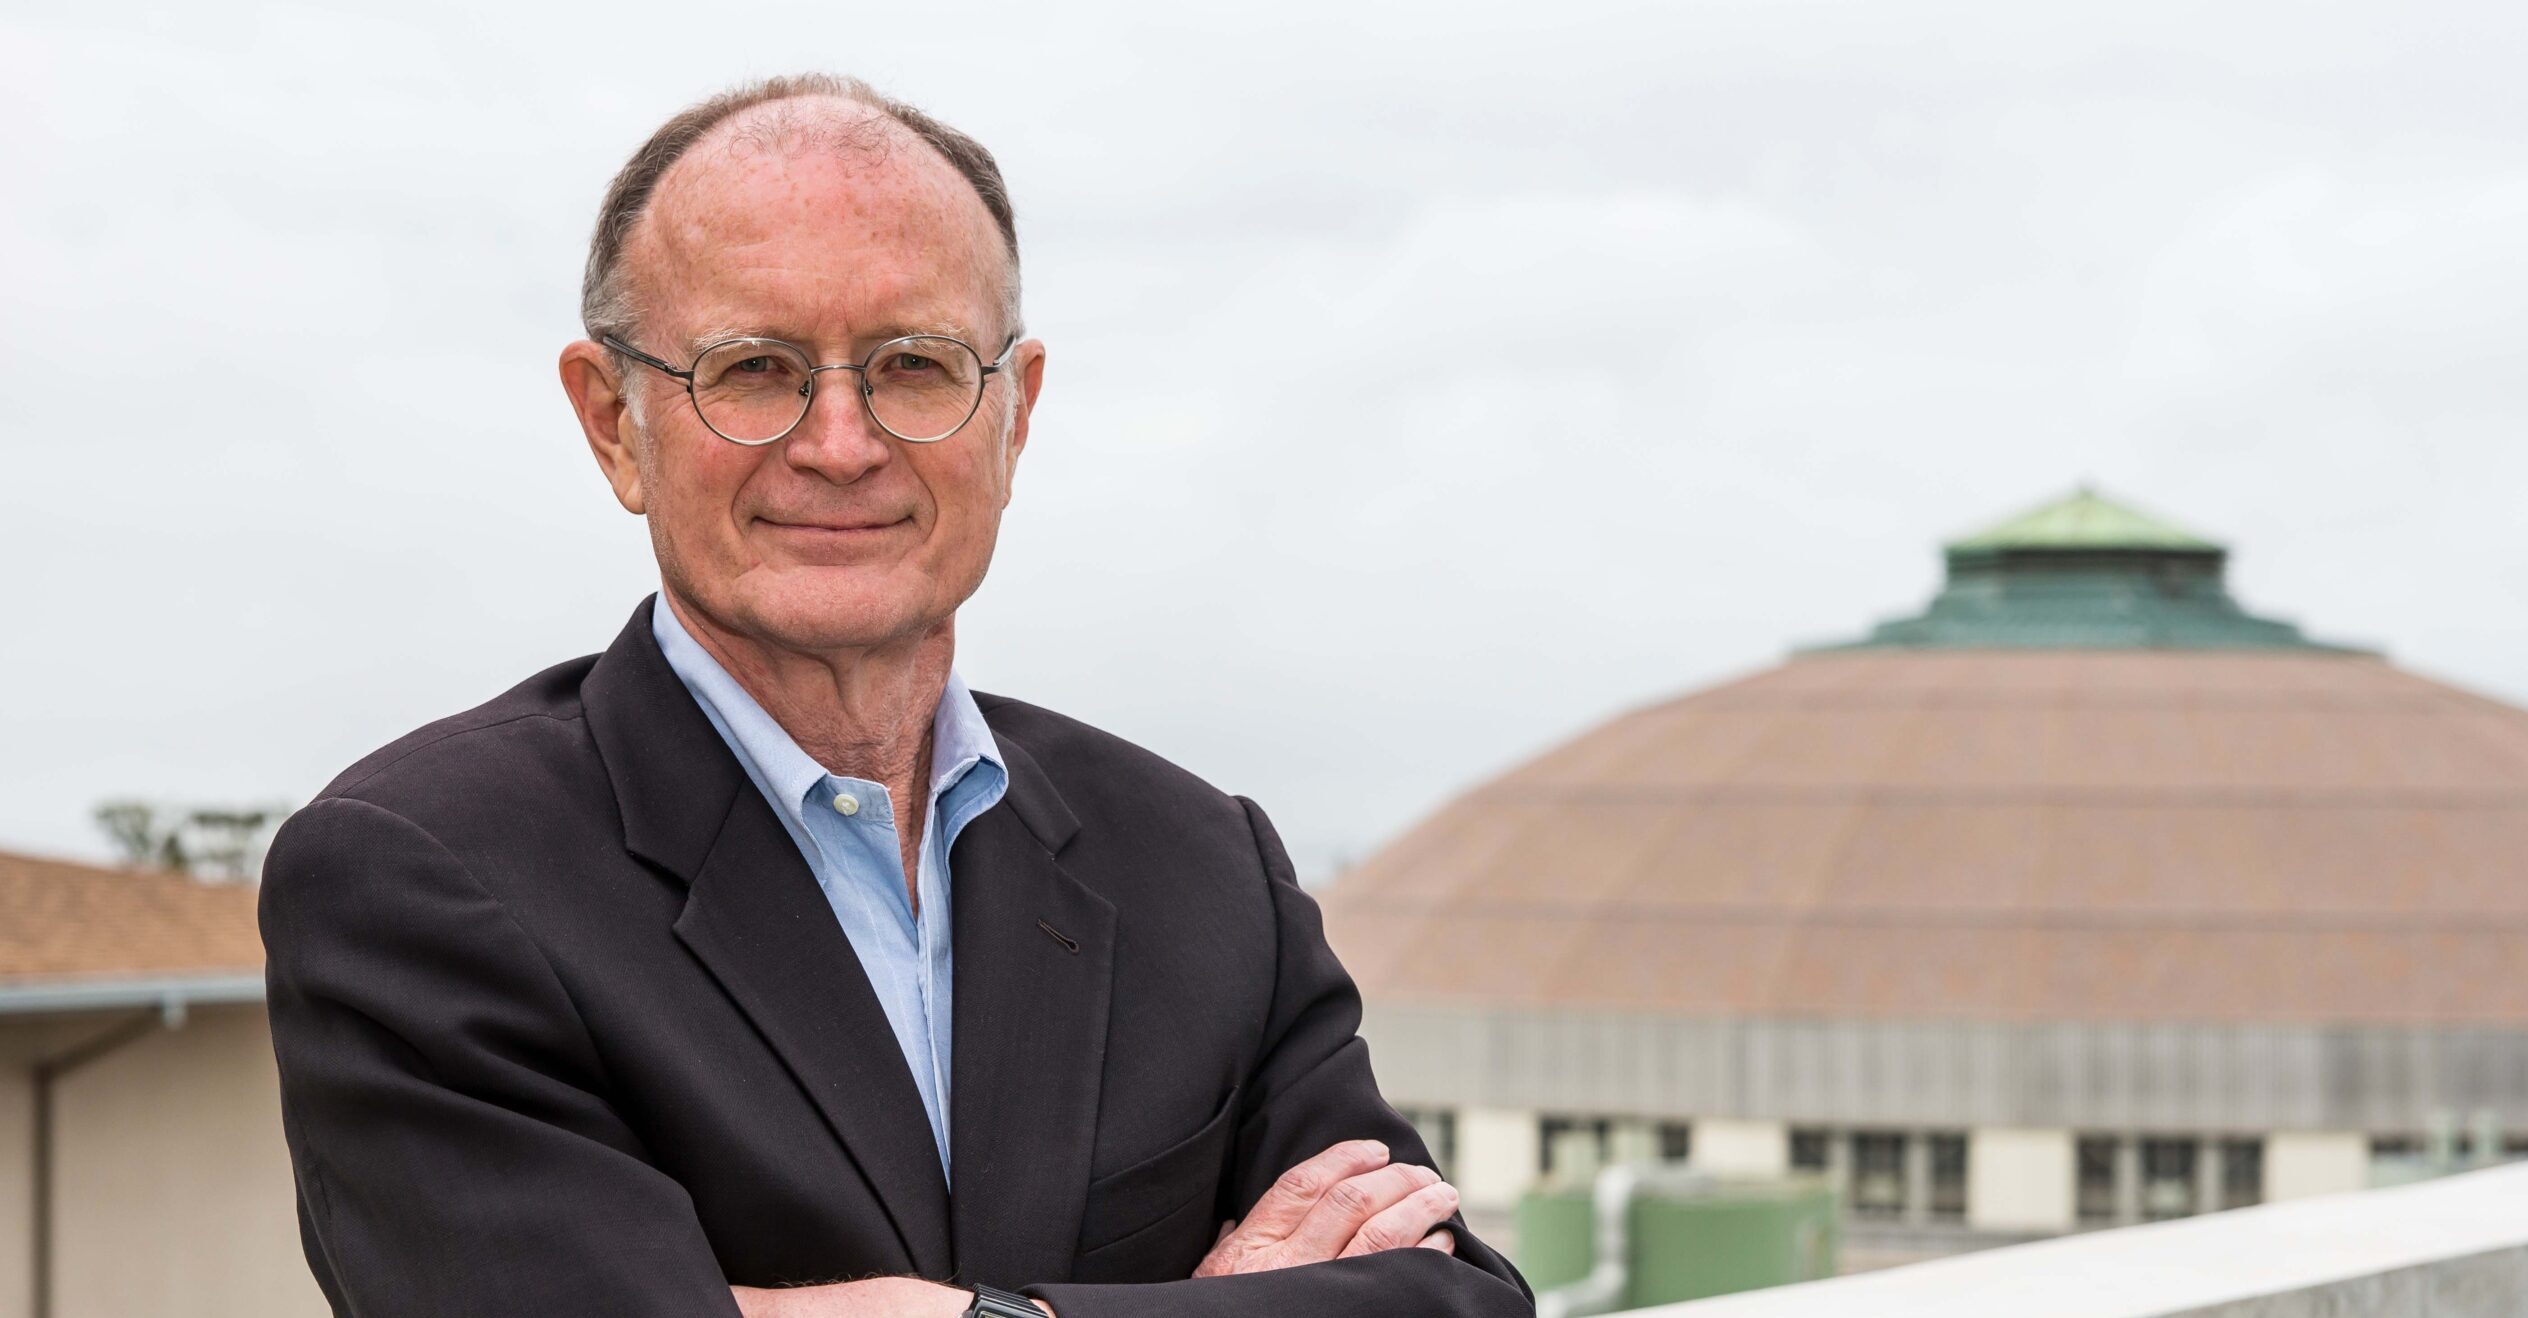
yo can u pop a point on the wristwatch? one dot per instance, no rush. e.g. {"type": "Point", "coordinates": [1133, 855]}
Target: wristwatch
{"type": "Point", "coordinates": [993, 1302]}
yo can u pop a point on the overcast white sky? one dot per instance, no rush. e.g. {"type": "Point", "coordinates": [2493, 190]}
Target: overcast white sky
{"type": "Point", "coordinates": [1426, 383]}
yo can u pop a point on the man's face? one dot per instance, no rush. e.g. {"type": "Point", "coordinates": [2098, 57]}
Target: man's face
{"type": "Point", "coordinates": [838, 535]}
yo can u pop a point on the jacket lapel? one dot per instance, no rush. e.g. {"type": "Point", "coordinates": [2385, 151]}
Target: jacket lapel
{"type": "Point", "coordinates": [755, 918]}
{"type": "Point", "coordinates": [1035, 959]}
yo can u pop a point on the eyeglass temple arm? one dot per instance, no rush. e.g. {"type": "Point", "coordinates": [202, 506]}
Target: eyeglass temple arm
{"type": "Point", "coordinates": [645, 359]}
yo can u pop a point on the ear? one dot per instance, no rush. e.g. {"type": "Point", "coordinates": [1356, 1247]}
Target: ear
{"type": "Point", "coordinates": [596, 395]}
{"type": "Point", "coordinates": [1027, 369]}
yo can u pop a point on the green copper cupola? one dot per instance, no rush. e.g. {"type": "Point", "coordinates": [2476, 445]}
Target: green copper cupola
{"type": "Point", "coordinates": [2087, 572]}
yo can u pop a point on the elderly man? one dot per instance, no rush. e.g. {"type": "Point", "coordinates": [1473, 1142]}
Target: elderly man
{"type": "Point", "coordinates": [756, 966]}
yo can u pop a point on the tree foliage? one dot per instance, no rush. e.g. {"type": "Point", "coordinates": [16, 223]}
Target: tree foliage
{"type": "Point", "coordinates": [209, 842]}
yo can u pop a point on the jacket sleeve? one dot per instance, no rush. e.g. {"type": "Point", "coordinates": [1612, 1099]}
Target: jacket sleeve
{"type": "Point", "coordinates": [442, 1101]}
{"type": "Point", "coordinates": [1313, 1088]}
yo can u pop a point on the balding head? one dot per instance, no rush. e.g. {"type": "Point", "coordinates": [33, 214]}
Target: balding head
{"type": "Point", "coordinates": [810, 112]}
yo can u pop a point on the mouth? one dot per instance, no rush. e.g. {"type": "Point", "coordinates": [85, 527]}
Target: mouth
{"type": "Point", "coordinates": [832, 528]}
{"type": "Point", "coordinates": [820, 538]}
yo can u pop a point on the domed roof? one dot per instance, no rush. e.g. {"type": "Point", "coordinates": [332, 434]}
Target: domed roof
{"type": "Point", "coordinates": [2270, 832]}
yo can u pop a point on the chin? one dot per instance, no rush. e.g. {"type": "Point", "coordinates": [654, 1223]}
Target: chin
{"type": "Point", "coordinates": [835, 610]}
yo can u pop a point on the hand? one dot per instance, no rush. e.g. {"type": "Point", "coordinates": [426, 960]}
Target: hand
{"type": "Point", "coordinates": [1346, 1201]}
{"type": "Point", "coordinates": [877, 1297]}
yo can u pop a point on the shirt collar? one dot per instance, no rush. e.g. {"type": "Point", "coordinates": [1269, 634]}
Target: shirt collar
{"type": "Point", "coordinates": [960, 738]}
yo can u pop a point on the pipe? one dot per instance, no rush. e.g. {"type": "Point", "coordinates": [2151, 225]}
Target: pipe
{"type": "Point", "coordinates": [1611, 1209]}
{"type": "Point", "coordinates": [47, 1074]}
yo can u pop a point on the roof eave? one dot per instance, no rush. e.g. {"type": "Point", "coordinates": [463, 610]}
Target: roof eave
{"type": "Point", "coordinates": [56, 997]}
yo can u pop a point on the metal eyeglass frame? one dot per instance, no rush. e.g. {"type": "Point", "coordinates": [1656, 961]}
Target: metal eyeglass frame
{"type": "Point", "coordinates": [859, 368]}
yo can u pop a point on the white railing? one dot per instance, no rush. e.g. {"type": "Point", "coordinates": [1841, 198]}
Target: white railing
{"type": "Point", "coordinates": [2456, 1247]}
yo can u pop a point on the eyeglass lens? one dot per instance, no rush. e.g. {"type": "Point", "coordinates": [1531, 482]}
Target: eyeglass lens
{"type": "Point", "coordinates": [919, 388]}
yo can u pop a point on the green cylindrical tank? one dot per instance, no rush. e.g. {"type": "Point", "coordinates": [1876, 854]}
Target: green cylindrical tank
{"type": "Point", "coordinates": [1730, 1235]}
{"type": "Point", "coordinates": [1556, 1246]}
{"type": "Point", "coordinates": [1742, 1236]}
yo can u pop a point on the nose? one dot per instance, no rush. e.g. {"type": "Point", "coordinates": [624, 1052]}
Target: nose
{"type": "Point", "coordinates": [837, 439]}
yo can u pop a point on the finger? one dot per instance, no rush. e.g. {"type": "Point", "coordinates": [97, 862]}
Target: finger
{"type": "Point", "coordinates": [1221, 1259]}
{"type": "Point", "coordinates": [1330, 1225]}
{"type": "Point", "coordinates": [1280, 1209]}
{"type": "Point", "coordinates": [1443, 1240]}
{"type": "Point", "coordinates": [1405, 1223]}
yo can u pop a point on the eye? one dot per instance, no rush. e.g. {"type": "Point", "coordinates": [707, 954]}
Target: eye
{"type": "Point", "coordinates": [911, 363]}
{"type": "Point", "coordinates": [757, 365]}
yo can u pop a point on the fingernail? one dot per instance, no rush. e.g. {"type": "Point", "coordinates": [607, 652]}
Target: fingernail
{"type": "Point", "coordinates": [1378, 1148]}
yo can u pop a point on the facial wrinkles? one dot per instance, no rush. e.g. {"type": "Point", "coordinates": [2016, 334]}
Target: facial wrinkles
{"type": "Point", "coordinates": [896, 289]}
{"type": "Point", "coordinates": [882, 257]}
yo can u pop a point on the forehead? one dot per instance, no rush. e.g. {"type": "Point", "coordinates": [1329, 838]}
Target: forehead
{"type": "Point", "coordinates": [814, 220]}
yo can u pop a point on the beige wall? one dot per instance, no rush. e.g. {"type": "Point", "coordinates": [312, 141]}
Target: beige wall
{"type": "Point", "coordinates": [2300, 1164]}
{"type": "Point", "coordinates": [172, 1188]}
{"type": "Point", "coordinates": [2020, 1180]}
{"type": "Point", "coordinates": [1496, 1155]}
{"type": "Point", "coordinates": [1729, 1147]}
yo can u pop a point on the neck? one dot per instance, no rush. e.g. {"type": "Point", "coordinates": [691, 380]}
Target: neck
{"type": "Point", "coordinates": [861, 713]}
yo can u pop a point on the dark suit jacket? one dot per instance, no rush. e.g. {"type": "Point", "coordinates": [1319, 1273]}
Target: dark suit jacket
{"type": "Point", "coordinates": [566, 1028]}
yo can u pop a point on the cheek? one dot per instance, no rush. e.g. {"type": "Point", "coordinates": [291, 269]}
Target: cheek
{"type": "Point", "coordinates": [693, 491]}
{"type": "Point", "coordinates": [966, 497]}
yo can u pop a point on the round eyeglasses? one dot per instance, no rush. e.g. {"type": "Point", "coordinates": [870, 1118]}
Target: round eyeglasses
{"type": "Point", "coordinates": [920, 388]}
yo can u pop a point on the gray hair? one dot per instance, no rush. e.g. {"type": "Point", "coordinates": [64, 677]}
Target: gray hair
{"type": "Point", "coordinates": [606, 299]}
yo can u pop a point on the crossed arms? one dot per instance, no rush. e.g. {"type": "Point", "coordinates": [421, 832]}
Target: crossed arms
{"type": "Point", "coordinates": [1346, 1202]}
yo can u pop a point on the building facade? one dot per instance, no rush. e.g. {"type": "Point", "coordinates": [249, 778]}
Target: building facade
{"type": "Point", "coordinates": [141, 1164]}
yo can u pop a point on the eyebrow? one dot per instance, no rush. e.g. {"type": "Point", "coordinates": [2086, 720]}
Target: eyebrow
{"type": "Point", "coordinates": [874, 336]}
{"type": "Point", "coordinates": [695, 345]}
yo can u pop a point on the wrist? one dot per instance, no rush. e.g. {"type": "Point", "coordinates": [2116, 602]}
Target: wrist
{"type": "Point", "coordinates": [993, 1302]}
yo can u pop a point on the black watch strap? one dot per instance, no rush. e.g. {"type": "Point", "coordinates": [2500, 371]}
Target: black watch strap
{"type": "Point", "coordinates": [993, 1302]}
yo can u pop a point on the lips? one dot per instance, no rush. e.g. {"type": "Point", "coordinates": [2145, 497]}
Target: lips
{"type": "Point", "coordinates": [833, 541]}
{"type": "Point", "coordinates": [836, 527]}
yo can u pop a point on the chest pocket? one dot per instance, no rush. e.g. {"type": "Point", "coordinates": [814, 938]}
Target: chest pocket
{"type": "Point", "coordinates": [1141, 1218]}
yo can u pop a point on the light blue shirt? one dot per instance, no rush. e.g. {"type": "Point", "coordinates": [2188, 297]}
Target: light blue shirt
{"type": "Point", "coordinates": [845, 828]}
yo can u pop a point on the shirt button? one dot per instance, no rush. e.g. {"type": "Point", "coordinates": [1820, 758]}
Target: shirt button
{"type": "Point", "coordinates": [846, 804]}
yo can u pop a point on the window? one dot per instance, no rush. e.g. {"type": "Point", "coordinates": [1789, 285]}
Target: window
{"type": "Point", "coordinates": [1676, 1141]}
{"type": "Point", "coordinates": [2242, 1173]}
{"type": "Point", "coordinates": [1438, 1129]}
{"type": "Point", "coordinates": [2094, 1158]}
{"type": "Point", "coordinates": [1948, 1177]}
{"type": "Point", "coordinates": [1809, 1150]}
{"type": "Point", "coordinates": [1591, 1133]}
{"type": "Point", "coordinates": [2168, 1178]}
{"type": "Point", "coordinates": [1878, 1174]}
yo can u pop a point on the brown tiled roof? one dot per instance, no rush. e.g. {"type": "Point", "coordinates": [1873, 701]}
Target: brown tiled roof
{"type": "Point", "coordinates": [2002, 835]}
{"type": "Point", "coordinates": [62, 922]}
